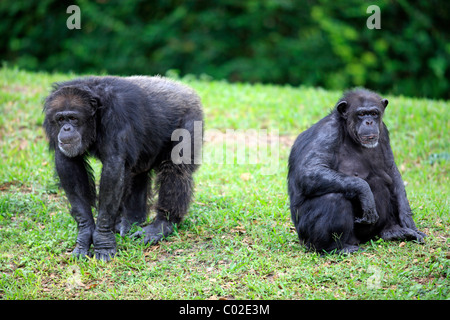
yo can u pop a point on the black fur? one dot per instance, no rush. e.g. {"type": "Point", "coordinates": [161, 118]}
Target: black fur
{"type": "Point", "coordinates": [344, 186]}
{"type": "Point", "coordinates": [127, 123]}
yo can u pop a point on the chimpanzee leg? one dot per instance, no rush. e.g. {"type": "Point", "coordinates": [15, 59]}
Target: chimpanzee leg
{"type": "Point", "coordinates": [134, 208]}
{"type": "Point", "coordinates": [325, 223]}
{"type": "Point", "coordinates": [77, 181]}
{"type": "Point", "coordinates": [175, 192]}
{"type": "Point", "coordinates": [174, 179]}
{"type": "Point", "coordinates": [389, 225]}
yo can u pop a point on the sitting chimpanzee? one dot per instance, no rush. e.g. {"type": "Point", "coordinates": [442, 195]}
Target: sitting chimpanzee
{"type": "Point", "coordinates": [344, 186]}
{"type": "Point", "coordinates": [128, 124]}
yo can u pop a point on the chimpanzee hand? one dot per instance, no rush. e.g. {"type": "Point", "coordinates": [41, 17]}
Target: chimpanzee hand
{"type": "Point", "coordinates": [370, 215]}
{"type": "Point", "coordinates": [84, 241]}
{"type": "Point", "coordinates": [104, 245]}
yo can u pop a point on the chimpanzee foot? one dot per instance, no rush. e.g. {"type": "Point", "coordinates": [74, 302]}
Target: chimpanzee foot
{"type": "Point", "coordinates": [155, 232]}
{"type": "Point", "coordinates": [123, 226]}
{"type": "Point", "coordinates": [104, 245]}
{"type": "Point", "coordinates": [402, 233]}
{"type": "Point", "coordinates": [347, 249]}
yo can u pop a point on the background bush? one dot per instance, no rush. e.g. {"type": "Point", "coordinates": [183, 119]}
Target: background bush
{"type": "Point", "coordinates": [315, 43]}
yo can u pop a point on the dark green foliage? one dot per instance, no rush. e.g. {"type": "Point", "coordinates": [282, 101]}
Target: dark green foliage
{"type": "Point", "coordinates": [316, 43]}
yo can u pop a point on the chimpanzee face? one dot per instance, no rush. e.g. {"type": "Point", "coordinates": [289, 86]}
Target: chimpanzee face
{"type": "Point", "coordinates": [71, 127]}
{"type": "Point", "coordinates": [363, 117]}
{"type": "Point", "coordinates": [367, 128]}
{"type": "Point", "coordinates": [70, 122]}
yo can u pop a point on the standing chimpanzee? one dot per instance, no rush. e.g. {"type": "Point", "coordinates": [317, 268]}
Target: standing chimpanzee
{"type": "Point", "coordinates": [344, 186]}
{"type": "Point", "coordinates": [127, 123]}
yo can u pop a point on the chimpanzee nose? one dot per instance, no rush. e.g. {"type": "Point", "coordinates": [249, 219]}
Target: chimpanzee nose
{"type": "Point", "coordinates": [66, 128]}
{"type": "Point", "coordinates": [369, 122]}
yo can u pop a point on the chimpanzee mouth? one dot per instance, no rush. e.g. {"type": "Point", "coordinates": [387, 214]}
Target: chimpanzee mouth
{"type": "Point", "coordinates": [369, 141]}
{"type": "Point", "coordinates": [69, 148]}
{"type": "Point", "coordinates": [66, 145]}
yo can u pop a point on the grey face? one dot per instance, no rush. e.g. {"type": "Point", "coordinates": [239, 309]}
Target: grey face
{"type": "Point", "coordinates": [368, 126]}
{"type": "Point", "coordinates": [363, 117]}
{"type": "Point", "coordinates": [70, 140]}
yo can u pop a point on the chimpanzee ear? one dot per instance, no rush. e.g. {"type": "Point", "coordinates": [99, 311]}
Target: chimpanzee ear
{"type": "Point", "coordinates": [94, 99]}
{"type": "Point", "coordinates": [95, 103]}
{"type": "Point", "coordinates": [342, 108]}
{"type": "Point", "coordinates": [384, 102]}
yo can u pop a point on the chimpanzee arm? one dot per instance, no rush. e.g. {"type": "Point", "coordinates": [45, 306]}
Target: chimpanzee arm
{"type": "Point", "coordinates": [77, 181]}
{"type": "Point", "coordinates": [322, 180]}
{"type": "Point", "coordinates": [112, 185]}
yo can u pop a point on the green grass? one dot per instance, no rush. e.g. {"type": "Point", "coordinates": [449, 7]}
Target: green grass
{"type": "Point", "coordinates": [238, 241]}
